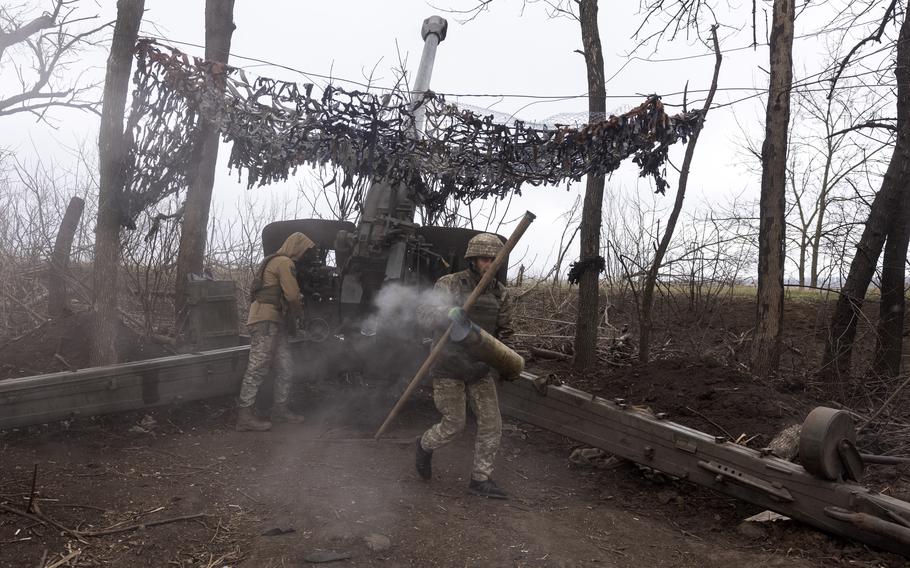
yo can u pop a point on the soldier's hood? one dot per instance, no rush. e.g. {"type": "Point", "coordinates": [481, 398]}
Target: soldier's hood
{"type": "Point", "coordinates": [295, 246]}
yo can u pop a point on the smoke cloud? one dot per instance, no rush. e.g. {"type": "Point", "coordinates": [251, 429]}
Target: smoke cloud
{"type": "Point", "coordinates": [396, 310]}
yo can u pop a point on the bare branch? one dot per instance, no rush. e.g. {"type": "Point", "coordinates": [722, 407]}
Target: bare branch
{"type": "Point", "coordinates": [876, 37]}
{"type": "Point", "coordinates": [21, 33]}
{"type": "Point", "coordinates": [471, 13]}
{"type": "Point", "coordinates": [50, 44]}
{"type": "Point", "coordinates": [868, 124]}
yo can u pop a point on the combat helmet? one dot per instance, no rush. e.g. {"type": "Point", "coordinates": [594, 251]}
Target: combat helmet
{"type": "Point", "coordinates": [484, 244]}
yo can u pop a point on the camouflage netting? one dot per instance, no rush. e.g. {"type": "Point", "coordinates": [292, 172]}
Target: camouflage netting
{"type": "Point", "coordinates": [276, 126]}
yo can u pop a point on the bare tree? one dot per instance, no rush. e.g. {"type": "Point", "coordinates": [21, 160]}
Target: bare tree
{"type": "Point", "coordinates": [56, 285]}
{"type": "Point", "coordinates": [769, 317]}
{"type": "Point", "coordinates": [824, 160]}
{"type": "Point", "coordinates": [890, 336]}
{"type": "Point", "coordinates": [42, 51]}
{"type": "Point", "coordinates": [589, 239]}
{"type": "Point", "coordinates": [219, 27]}
{"type": "Point", "coordinates": [647, 298]}
{"type": "Point", "coordinates": [336, 197]}
{"type": "Point", "coordinates": [111, 210]}
{"type": "Point", "coordinates": [886, 221]}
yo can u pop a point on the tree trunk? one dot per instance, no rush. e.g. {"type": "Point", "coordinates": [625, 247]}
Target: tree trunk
{"type": "Point", "coordinates": [766, 345]}
{"type": "Point", "coordinates": [842, 330]}
{"type": "Point", "coordinates": [111, 147]}
{"type": "Point", "coordinates": [56, 282]}
{"type": "Point", "coordinates": [888, 201]}
{"type": "Point", "coordinates": [647, 296]}
{"type": "Point", "coordinates": [219, 27]}
{"type": "Point", "coordinates": [887, 358]}
{"type": "Point", "coordinates": [822, 208]}
{"type": "Point", "coordinates": [890, 336]}
{"type": "Point", "coordinates": [589, 284]}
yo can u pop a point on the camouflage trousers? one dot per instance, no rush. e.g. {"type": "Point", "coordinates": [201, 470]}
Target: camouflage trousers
{"type": "Point", "coordinates": [450, 396]}
{"type": "Point", "coordinates": [268, 348]}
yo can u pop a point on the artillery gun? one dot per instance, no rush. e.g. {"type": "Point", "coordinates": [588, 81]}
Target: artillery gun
{"type": "Point", "coordinates": [343, 276]}
{"type": "Point", "coordinates": [341, 280]}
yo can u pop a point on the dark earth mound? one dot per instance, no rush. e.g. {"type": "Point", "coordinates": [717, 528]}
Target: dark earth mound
{"type": "Point", "coordinates": [62, 344]}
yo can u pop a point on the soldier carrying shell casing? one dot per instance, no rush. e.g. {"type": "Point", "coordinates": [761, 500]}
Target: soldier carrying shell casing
{"type": "Point", "coordinates": [458, 377]}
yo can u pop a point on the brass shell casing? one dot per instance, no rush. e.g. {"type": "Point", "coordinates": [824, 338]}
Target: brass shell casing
{"type": "Point", "coordinates": [488, 349]}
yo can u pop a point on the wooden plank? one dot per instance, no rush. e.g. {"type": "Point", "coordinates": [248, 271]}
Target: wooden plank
{"type": "Point", "coordinates": [116, 388]}
{"type": "Point", "coordinates": [682, 452]}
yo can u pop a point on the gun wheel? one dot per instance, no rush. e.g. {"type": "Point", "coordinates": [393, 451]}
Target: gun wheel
{"type": "Point", "coordinates": [822, 439]}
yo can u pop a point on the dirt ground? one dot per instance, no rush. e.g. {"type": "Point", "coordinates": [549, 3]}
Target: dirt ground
{"type": "Point", "coordinates": [335, 490]}
{"type": "Point", "coordinates": [63, 345]}
{"type": "Point", "coordinates": [338, 491]}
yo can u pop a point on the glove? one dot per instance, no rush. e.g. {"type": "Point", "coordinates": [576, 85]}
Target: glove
{"type": "Point", "coordinates": [290, 325]}
{"type": "Point", "coordinates": [458, 315]}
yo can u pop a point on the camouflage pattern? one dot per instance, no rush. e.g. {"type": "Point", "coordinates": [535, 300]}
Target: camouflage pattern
{"type": "Point", "coordinates": [484, 244]}
{"type": "Point", "coordinates": [456, 288]}
{"type": "Point", "coordinates": [268, 348]}
{"type": "Point", "coordinates": [450, 396]}
{"type": "Point", "coordinates": [458, 378]}
{"type": "Point", "coordinates": [492, 311]}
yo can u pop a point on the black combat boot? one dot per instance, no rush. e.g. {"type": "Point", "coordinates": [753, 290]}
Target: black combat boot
{"type": "Point", "coordinates": [281, 413]}
{"type": "Point", "coordinates": [424, 461]}
{"type": "Point", "coordinates": [487, 488]}
{"type": "Point", "coordinates": [248, 422]}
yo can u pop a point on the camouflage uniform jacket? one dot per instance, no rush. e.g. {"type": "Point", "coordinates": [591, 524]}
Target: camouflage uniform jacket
{"type": "Point", "coordinates": [278, 273]}
{"type": "Point", "coordinates": [492, 312]}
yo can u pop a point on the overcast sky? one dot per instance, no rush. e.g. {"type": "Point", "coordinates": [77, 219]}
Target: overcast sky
{"type": "Point", "coordinates": [512, 49]}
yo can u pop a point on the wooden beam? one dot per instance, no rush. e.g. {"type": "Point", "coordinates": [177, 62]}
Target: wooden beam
{"type": "Point", "coordinates": [757, 477]}
{"type": "Point", "coordinates": [116, 388]}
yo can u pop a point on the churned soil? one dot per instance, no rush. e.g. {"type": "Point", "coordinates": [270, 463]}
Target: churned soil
{"type": "Point", "coordinates": [342, 492]}
{"type": "Point", "coordinates": [696, 392]}
{"type": "Point", "coordinates": [62, 344]}
{"type": "Point", "coordinates": [329, 488]}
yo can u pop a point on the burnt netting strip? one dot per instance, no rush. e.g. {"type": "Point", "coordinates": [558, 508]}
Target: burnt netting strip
{"type": "Point", "coordinates": [276, 126]}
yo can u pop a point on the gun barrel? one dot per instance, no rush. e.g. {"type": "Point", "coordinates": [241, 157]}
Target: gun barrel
{"type": "Point", "coordinates": [433, 32]}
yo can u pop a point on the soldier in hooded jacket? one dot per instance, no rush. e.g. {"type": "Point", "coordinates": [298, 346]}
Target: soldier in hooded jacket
{"type": "Point", "coordinates": [273, 314]}
{"type": "Point", "coordinates": [459, 378]}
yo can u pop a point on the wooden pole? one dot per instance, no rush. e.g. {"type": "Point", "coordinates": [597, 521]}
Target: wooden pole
{"type": "Point", "coordinates": [478, 290]}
